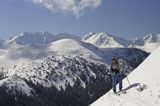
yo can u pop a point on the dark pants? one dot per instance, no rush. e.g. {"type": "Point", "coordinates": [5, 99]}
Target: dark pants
{"type": "Point", "coordinates": [116, 79]}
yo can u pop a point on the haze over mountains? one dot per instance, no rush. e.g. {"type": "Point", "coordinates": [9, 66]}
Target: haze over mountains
{"type": "Point", "coordinates": [103, 40]}
{"type": "Point", "coordinates": [39, 38]}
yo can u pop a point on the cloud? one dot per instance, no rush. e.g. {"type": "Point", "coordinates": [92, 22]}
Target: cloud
{"type": "Point", "coordinates": [75, 7]}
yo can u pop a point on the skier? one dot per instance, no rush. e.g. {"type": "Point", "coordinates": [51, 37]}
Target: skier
{"type": "Point", "coordinates": [116, 75]}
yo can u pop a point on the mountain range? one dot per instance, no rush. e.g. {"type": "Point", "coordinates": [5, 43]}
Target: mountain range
{"type": "Point", "coordinates": [148, 43]}
{"type": "Point", "coordinates": [56, 69]}
{"type": "Point", "coordinates": [38, 38]}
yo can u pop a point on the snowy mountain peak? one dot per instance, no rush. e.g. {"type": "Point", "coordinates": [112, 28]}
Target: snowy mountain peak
{"type": "Point", "coordinates": [151, 38]}
{"type": "Point", "coordinates": [65, 44]}
{"type": "Point", "coordinates": [105, 40]}
{"type": "Point", "coordinates": [85, 37]}
{"type": "Point", "coordinates": [32, 38]}
{"type": "Point", "coordinates": [39, 38]}
{"type": "Point", "coordinates": [41, 33]}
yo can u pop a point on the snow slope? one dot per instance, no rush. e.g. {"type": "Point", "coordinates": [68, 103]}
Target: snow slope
{"type": "Point", "coordinates": [149, 74]}
{"type": "Point", "coordinates": [71, 47]}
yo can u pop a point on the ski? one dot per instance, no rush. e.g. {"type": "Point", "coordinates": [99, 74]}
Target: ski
{"type": "Point", "coordinates": [121, 92]}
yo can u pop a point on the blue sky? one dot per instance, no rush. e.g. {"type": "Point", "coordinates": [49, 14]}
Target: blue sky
{"type": "Point", "coordinates": [124, 18]}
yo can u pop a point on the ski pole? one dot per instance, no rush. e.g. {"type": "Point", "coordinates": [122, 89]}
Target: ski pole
{"type": "Point", "coordinates": [128, 81]}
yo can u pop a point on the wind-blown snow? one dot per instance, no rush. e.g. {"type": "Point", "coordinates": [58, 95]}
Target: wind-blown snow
{"type": "Point", "coordinates": [147, 73]}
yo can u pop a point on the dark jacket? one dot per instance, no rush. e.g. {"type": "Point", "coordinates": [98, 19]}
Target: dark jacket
{"type": "Point", "coordinates": [114, 68]}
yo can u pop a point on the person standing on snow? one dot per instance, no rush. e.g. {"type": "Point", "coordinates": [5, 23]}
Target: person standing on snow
{"type": "Point", "coordinates": [116, 75]}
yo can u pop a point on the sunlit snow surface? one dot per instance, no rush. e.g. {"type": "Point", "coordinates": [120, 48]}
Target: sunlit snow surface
{"type": "Point", "coordinates": [149, 74]}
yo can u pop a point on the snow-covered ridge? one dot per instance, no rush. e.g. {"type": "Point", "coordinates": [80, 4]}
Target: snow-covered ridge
{"type": "Point", "coordinates": [151, 38]}
{"type": "Point", "coordinates": [75, 47]}
{"type": "Point", "coordinates": [147, 43]}
{"type": "Point", "coordinates": [103, 40]}
{"type": "Point", "coordinates": [147, 73]}
{"type": "Point", "coordinates": [38, 38]}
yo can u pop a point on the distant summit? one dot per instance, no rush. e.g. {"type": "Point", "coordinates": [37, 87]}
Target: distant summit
{"type": "Point", "coordinates": [104, 40]}
{"type": "Point", "coordinates": [147, 43]}
{"type": "Point", "coordinates": [39, 38]}
{"type": "Point", "coordinates": [32, 38]}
